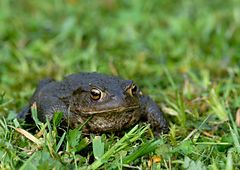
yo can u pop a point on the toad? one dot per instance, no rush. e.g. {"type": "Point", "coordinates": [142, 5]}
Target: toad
{"type": "Point", "coordinates": [112, 103]}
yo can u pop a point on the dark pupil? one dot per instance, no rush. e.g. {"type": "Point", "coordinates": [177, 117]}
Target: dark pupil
{"type": "Point", "coordinates": [95, 94]}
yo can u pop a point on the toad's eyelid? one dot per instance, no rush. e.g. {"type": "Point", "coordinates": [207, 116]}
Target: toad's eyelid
{"type": "Point", "coordinates": [97, 87]}
{"type": "Point", "coordinates": [128, 85]}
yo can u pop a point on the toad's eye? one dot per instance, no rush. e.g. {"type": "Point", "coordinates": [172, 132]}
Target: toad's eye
{"type": "Point", "coordinates": [133, 90]}
{"type": "Point", "coordinates": [96, 94]}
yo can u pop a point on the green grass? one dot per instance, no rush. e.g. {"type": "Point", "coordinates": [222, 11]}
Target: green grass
{"type": "Point", "coordinates": [184, 54]}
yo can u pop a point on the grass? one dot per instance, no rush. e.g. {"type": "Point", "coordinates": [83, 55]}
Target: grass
{"type": "Point", "coordinates": [184, 54]}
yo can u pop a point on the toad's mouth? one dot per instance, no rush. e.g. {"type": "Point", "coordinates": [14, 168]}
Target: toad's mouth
{"type": "Point", "coordinates": [112, 110]}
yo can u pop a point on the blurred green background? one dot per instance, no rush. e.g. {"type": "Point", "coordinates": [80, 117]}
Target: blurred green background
{"type": "Point", "coordinates": [140, 40]}
{"type": "Point", "coordinates": [162, 45]}
{"type": "Point", "coordinates": [184, 54]}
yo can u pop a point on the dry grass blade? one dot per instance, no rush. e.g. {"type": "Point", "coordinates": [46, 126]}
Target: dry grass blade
{"type": "Point", "coordinates": [29, 136]}
{"type": "Point", "coordinates": [238, 117]}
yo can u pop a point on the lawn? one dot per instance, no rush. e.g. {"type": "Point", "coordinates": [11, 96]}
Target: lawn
{"type": "Point", "coordinates": [184, 54]}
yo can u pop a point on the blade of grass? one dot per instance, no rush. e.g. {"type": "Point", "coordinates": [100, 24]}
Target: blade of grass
{"type": "Point", "coordinates": [34, 115]}
{"type": "Point", "coordinates": [229, 164]}
{"type": "Point", "coordinates": [29, 136]}
{"type": "Point", "coordinates": [234, 131]}
{"type": "Point", "coordinates": [98, 147]}
{"type": "Point", "coordinates": [60, 142]}
{"type": "Point", "coordinates": [142, 150]}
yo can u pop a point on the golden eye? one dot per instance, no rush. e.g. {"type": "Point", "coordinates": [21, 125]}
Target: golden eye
{"type": "Point", "coordinates": [133, 90]}
{"type": "Point", "coordinates": [96, 94]}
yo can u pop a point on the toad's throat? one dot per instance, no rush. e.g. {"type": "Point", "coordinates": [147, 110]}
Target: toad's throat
{"type": "Point", "coordinates": [113, 110]}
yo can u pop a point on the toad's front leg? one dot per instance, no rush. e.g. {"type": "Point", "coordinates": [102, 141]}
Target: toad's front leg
{"type": "Point", "coordinates": [154, 115]}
